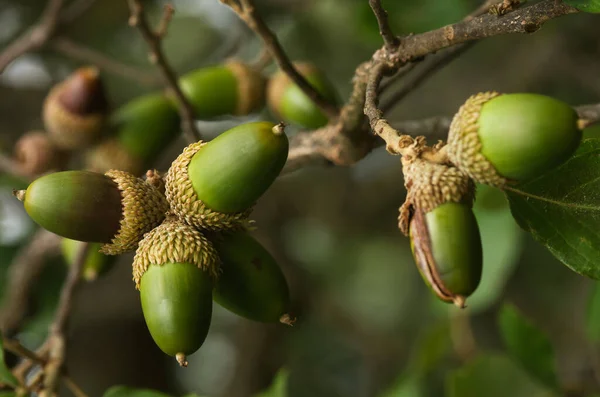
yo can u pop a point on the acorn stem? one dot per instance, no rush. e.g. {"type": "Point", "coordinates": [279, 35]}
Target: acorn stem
{"type": "Point", "coordinates": [279, 129]}
{"type": "Point", "coordinates": [583, 123]}
{"type": "Point", "coordinates": [19, 194]}
{"type": "Point", "coordinates": [181, 359]}
{"type": "Point", "coordinates": [287, 319]}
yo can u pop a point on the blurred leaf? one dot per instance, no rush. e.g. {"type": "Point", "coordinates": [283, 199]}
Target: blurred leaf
{"type": "Point", "coordinates": [407, 386]}
{"type": "Point", "coordinates": [124, 391]}
{"type": "Point", "coordinates": [528, 345]}
{"type": "Point", "coordinates": [493, 375]}
{"type": "Point", "coordinates": [561, 209]}
{"type": "Point", "coordinates": [5, 375]}
{"type": "Point", "coordinates": [278, 387]}
{"type": "Point", "coordinates": [593, 314]}
{"type": "Point", "coordinates": [431, 348]}
{"type": "Point", "coordinates": [8, 394]}
{"type": "Point", "coordinates": [585, 5]}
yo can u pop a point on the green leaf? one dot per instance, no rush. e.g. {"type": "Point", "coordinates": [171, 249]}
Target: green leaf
{"type": "Point", "coordinates": [6, 376]}
{"type": "Point", "coordinates": [593, 314]}
{"type": "Point", "coordinates": [585, 5]}
{"type": "Point", "coordinates": [124, 391]}
{"type": "Point", "coordinates": [561, 209]}
{"type": "Point", "coordinates": [278, 386]}
{"type": "Point", "coordinates": [528, 345]}
{"type": "Point", "coordinates": [493, 375]}
{"type": "Point", "coordinates": [406, 386]}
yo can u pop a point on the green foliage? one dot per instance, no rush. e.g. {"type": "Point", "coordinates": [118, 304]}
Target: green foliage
{"type": "Point", "coordinates": [565, 216]}
{"type": "Point", "coordinates": [585, 5]}
{"type": "Point", "coordinates": [493, 375]}
{"type": "Point", "coordinates": [5, 375]}
{"type": "Point", "coordinates": [278, 387]}
{"type": "Point", "coordinates": [528, 345]}
{"type": "Point", "coordinates": [593, 314]}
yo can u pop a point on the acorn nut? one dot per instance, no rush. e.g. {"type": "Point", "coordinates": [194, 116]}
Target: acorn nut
{"type": "Point", "coordinates": [96, 263]}
{"type": "Point", "coordinates": [214, 185]}
{"type": "Point", "coordinates": [174, 269]}
{"type": "Point", "coordinates": [36, 154]}
{"type": "Point", "coordinates": [142, 127]}
{"type": "Point", "coordinates": [115, 208]}
{"type": "Point", "coordinates": [251, 283]}
{"type": "Point", "coordinates": [498, 138]}
{"type": "Point", "coordinates": [444, 234]}
{"type": "Point", "coordinates": [233, 88]}
{"type": "Point", "coordinates": [75, 109]}
{"type": "Point", "coordinates": [288, 102]}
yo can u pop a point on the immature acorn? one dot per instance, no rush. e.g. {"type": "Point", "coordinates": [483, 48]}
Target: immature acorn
{"type": "Point", "coordinates": [174, 269]}
{"type": "Point", "coordinates": [142, 128]}
{"type": "Point", "coordinates": [96, 263]}
{"type": "Point", "coordinates": [498, 138]}
{"type": "Point", "coordinates": [291, 104]}
{"type": "Point", "coordinates": [251, 283]}
{"type": "Point", "coordinates": [233, 88]}
{"type": "Point", "coordinates": [115, 208]}
{"type": "Point", "coordinates": [443, 231]}
{"type": "Point", "coordinates": [35, 153]}
{"type": "Point", "coordinates": [75, 110]}
{"type": "Point", "coordinates": [214, 185]}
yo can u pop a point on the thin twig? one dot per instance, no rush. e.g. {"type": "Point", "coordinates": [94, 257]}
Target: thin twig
{"type": "Point", "coordinates": [35, 37]}
{"type": "Point", "coordinates": [247, 12]}
{"type": "Point", "coordinates": [74, 387]}
{"type": "Point", "coordinates": [389, 38]}
{"type": "Point", "coordinates": [157, 57]}
{"type": "Point", "coordinates": [76, 51]}
{"type": "Point", "coordinates": [17, 348]}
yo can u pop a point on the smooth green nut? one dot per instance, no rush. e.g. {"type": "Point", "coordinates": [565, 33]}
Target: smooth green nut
{"type": "Point", "coordinates": [96, 263]}
{"type": "Point", "coordinates": [79, 205]}
{"type": "Point", "coordinates": [233, 88]}
{"type": "Point", "coordinates": [512, 137]}
{"type": "Point", "coordinates": [446, 245]}
{"type": "Point", "coordinates": [290, 103]}
{"type": "Point", "coordinates": [251, 283]}
{"type": "Point", "coordinates": [177, 305]}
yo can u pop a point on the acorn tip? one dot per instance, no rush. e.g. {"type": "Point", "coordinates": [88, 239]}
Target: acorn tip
{"type": "Point", "coordinates": [582, 124]}
{"type": "Point", "coordinates": [287, 319]}
{"type": "Point", "coordinates": [279, 129]}
{"type": "Point", "coordinates": [460, 301]}
{"type": "Point", "coordinates": [181, 359]}
{"type": "Point", "coordinates": [19, 194]}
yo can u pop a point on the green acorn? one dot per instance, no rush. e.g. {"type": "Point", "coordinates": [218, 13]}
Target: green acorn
{"type": "Point", "coordinates": [497, 138]}
{"type": "Point", "coordinates": [233, 88]}
{"type": "Point", "coordinates": [142, 128]}
{"type": "Point", "coordinates": [214, 185]}
{"type": "Point", "coordinates": [290, 103]}
{"type": "Point", "coordinates": [96, 263]}
{"type": "Point", "coordinates": [174, 269]}
{"type": "Point", "coordinates": [115, 208]}
{"type": "Point", "coordinates": [251, 283]}
{"type": "Point", "coordinates": [443, 231]}
{"type": "Point", "coordinates": [75, 110]}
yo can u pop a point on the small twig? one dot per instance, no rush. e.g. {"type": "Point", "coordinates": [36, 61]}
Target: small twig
{"type": "Point", "coordinates": [247, 12]}
{"type": "Point", "coordinates": [462, 335]}
{"type": "Point", "coordinates": [390, 40]}
{"type": "Point", "coordinates": [157, 57]}
{"type": "Point", "coordinates": [76, 51]}
{"type": "Point", "coordinates": [74, 387]}
{"type": "Point", "coordinates": [35, 37]}
{"type": "Point", "coordinates": [17, 348]}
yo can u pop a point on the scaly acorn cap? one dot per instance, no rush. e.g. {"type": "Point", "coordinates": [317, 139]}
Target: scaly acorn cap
{"type": "Point", "coordinates": [35, 153]}
{"type": "Point", "coordinates": [464, 145]}
{"type": "Point", "coordinates": [110, 154]}
{"type": "Point", "coordinates": [75, 110]}
{"type": "Point", "coordinates": [251, 87]}
{"type": "Point", "coordinates": [430, 185]}
{"type": "Point", "coordinates": [185, 202]}
{"type": "Point", "coordinates": [175, 242]}
{"type": "Point", "coordinates": [144, 208]}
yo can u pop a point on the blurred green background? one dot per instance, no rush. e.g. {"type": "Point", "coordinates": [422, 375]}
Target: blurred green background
{"type": "Point", "coordinates": [368, 326]}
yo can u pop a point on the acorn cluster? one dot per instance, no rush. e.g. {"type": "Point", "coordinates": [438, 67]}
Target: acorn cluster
{"type": "Point", "coordinates": [495, 139]}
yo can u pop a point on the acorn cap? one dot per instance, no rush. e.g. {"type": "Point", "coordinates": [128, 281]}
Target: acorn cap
{"type": "Point", "coordinates": [175, 242]}
{"type": "Point", "coordinates": [184, 200]}
{"type": "Point", "coordinates": [144, 208]}
{"type": "Point", "coordinates": [36, 154]}
{"type": "Point", "coordinates": [110, 154]}
{"type": "Point", "coordinates": [430, 185]}
{"type": "Point", "coordinates": [75, 110]}
{"type": "Point", "coordinates": [251, 87]}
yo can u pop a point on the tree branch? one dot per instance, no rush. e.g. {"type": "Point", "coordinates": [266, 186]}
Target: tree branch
{"type": "Point", "coordinates": [389, 38]}
{"type": "Point", "coordinates": [246, 11]}
{"type": "Point", "coordinates": [157, 57]}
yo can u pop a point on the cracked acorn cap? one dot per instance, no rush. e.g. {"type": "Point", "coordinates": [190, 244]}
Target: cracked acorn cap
{"type": "Point", "coordinates": [142, 127]}
{"type": "Point", "coordinates": [251, 283]}
{"type": "Point", "coordinates": [75, 109]}
{"type": "Point", "coordinates": [498, 138]}
{"type": "Point", "coordinates": [444, 235]}
{"type": "Point", "coordinates": [288, 102]}
{"type": "Point", "coordinates": [115, 208]}
{"type": "Point", "coordinates": [174, 269]}
{"type": "Point", "coordinates": [232, 88]}
{"type": "Point", "coordinates": [214, 185]}
{"type": "Point", "coordinates": [96, 263]}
